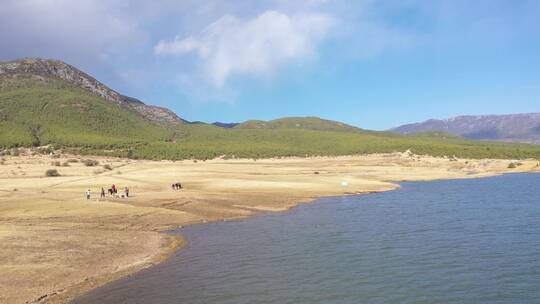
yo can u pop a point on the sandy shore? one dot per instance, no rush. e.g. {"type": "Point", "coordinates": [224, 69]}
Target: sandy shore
{"type": "Point", "coordinates": [57, 245]}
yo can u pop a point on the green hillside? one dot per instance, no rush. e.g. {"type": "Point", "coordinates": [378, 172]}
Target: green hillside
{"type": "Point", "coordinates": [206, 142]}
{"type": "Point", "coordinates": [41, 112]}
{"type": "Point", "coordinates": [37, 111]}
{"type": "Point", "coordinates": [306, 123]}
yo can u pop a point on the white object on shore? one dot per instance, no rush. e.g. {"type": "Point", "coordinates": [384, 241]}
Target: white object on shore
{"type": "Point", "coordinates": [344, 184]}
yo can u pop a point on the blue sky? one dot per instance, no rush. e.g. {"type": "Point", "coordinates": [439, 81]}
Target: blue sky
{"type": "Point", "coordinates": [373, 64]}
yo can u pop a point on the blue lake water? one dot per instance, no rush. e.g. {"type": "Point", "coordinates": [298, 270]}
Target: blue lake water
{"type": "Point", "coordinates": [458, 241]}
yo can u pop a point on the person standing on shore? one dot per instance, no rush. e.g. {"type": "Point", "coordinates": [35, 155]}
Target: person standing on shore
{"type": "Point", "coordinates": [88, 194]}
{"type": "Point", "coordinates": [126, 190]}
{"type": "Point", "coordinates": [102, 193]}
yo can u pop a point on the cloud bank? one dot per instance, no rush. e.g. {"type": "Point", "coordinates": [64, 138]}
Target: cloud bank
{"type": "Point", "coordinates": [257, 46]}
{"type": "Point", "coordinates": [82, 30]}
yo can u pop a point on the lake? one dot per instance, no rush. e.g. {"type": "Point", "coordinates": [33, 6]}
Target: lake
{"type": "Point", "coordinates": [455, 241]}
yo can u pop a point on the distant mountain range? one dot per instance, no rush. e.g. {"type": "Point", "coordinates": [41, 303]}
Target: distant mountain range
{"type": "Point", "coordinates": [523, 128]}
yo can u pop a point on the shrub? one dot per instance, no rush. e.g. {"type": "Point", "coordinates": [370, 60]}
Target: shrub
{"type": "Point", "coordinates": [45, 151]}
{"type": "Point", "coordinates": [72, 160]}
{"type": "Point", "coordinates": [65, 164]}
{"type": "Point", "coordinates": [52, 173]}
{"type": "Point", "coordinates": [90, 162]}
{"type": "Point", "coordinates": [512, 166]}
{"type": "Point", "coordinates": [56, 164]}
{"type": "Point", "coordinates": [107, 167]}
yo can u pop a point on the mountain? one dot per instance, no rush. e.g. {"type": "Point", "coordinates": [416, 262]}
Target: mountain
{"type": "Point", "coordinates": [45, 102]}
{"type": "Point", "coordinates": [43, 69]}
{"type": "Point", "coordinates": [50, 103]}
{"type": "Point", "coordinates": [511, 128]}
{"type": "Point", "coordinates": [304, 123]}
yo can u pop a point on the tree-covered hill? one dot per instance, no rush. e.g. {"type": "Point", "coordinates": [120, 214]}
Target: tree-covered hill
{"type": "Point", "coordinates": [37, 112]}
{"type": "Point", "coordinates": [38, 109]}
{"type": "Point", "coordinates": [305, 123]}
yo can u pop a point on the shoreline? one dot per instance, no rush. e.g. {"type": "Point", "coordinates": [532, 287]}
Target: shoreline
{"type": "Point", "coordinates": [177, 242]}
{"type": "Point", "coordinates": [267, 193]}
{"type": "Point", "coordinates": [179, 248]}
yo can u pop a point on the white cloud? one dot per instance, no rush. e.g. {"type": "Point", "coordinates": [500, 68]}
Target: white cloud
{"type": "Point", "coordinates": [232, 46]}
{"type": "Point", "coordinates": [181, 46]}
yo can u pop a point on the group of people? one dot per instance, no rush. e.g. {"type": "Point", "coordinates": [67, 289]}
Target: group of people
{"type": "Point", "coordinates": [113, 191]}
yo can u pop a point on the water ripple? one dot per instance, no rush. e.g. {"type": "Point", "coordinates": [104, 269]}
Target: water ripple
{"type": "Point", "coordinates": [463, 241]}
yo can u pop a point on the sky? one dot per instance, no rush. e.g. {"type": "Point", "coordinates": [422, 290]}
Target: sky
{"type": "Point", "coordinates": [372, 64]}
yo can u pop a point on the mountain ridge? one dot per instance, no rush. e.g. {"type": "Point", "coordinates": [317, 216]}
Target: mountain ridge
{"type": "Point", "coordinates": [58, 69]}
{"type": "Point", "coordinates": [522, 127]}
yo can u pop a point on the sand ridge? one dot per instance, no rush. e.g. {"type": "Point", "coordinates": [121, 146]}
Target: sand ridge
{"type": "Point", "coordinates": [56, 244]}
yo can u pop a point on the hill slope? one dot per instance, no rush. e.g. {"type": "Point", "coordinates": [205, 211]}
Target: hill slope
{"type": "Point", "coordinates": [514, 128]}
{"type": "Point", "coordinates": [50, 103]}
{"type": "Point", "coordinates": [36, 111]}
{"type": "Point", "coordinates": [305, 123]}
{"type": "Point", "coordinates": [43, 69]}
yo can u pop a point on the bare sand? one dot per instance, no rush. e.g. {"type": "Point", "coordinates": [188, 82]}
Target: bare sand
{"type": "Point", "coordinates": [55, 244]}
